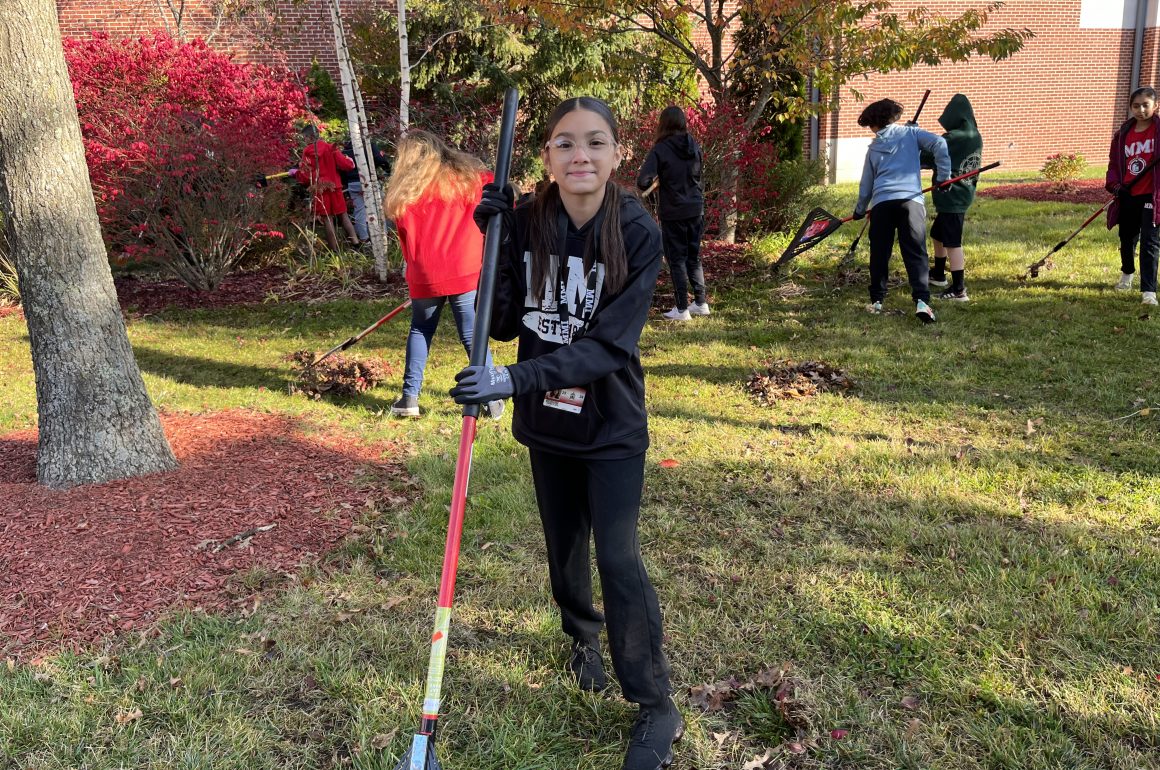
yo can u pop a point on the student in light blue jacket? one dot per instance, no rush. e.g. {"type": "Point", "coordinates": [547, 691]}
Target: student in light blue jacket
{"type": "Point", "coordinates": [891, 192]}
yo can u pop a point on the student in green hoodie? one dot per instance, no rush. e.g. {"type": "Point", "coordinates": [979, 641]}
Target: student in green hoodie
{"type": "Point", "coordinates": [966, 150]}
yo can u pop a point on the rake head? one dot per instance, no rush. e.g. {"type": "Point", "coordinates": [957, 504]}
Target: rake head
{"type": "Point", "coordinates": [421, 755]}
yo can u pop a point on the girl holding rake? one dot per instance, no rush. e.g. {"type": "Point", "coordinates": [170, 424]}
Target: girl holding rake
{"type": "Point", "coordinates": [1137, 208]}
{"type": "Point", "coordinates": [576, 280]}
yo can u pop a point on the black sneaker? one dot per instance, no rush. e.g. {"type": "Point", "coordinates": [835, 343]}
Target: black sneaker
{"type": "Point", "coordinates": [938, 279]}
{"type": "Point", "coordinates": [588, 667]}
{"type": "Point", "coordinates": [955, 295]}
{"type": "Point", "coordinates": [407, 406]}
{"type": "Point", "coordinates": [653, 736]}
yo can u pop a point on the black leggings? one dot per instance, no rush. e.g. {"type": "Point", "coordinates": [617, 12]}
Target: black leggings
{"type": "Point", "coordinates": [1136, 226]}
{"type": "Point", "coordinates": [601, 498]}
{"type": "Point", "coordinates": [681, 239]}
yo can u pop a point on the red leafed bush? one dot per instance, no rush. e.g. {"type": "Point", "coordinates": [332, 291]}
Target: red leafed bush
{"type": "Point", "coordinates": [726, 144]}
{"type": "Point", "coordinates": [175, 135]}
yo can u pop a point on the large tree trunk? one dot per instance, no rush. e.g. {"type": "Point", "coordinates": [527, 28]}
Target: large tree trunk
{"type": "Point", "coordinates": [96, 420]}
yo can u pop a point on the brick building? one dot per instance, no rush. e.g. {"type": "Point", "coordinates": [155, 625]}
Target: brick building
{"type": "Point", "coordinates": [1065, 91]}
{"type": "Point", "coordinates": [297, 33]}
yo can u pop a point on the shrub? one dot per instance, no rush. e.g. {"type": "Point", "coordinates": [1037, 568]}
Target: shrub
{"type": "Point", "coordinates": [175, 135]}
{"type": "Point", "coordinates": [1061, 168]}
{"type": "Point", "coordinates": [764, 193]}
{"type": "Point", "coordinates": [9, 285]}
{"type": "Point", "coordinates": [780, 201]}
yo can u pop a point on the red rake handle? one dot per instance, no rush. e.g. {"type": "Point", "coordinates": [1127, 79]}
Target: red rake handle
{"type": "Point", "coordinates": [958, 178]}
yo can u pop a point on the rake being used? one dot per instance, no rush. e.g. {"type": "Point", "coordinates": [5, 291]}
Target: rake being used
{"type": "Point", "coordinates": [421, 755]}
{"type": "Point", "coordinates": [353, 340]}
{"type": "Point", "coordinates": [1033, 269]}
{"type": "Point", "coordinates": [820, 224]}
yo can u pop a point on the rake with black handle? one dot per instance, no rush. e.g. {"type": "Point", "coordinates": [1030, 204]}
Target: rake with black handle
{"type": "Point", "coordinates": [421, 755]}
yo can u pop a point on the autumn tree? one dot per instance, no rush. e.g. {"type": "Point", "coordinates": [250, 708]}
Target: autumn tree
{"type": "Point", "coordinates": [95, 418]}
{"type": "Point", "coordinates": [828, 43]}
{"type": "Point", "coordinates": [832, 42]}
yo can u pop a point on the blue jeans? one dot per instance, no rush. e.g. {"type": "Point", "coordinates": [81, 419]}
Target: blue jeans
{"type": "Point", "coordinates": [424, 322]}
{"type": "Point", "coordinates": [358, 210]}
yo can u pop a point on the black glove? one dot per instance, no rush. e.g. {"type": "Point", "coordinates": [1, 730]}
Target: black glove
{"type": "Point", "coordinates": [480, 384]}
{"type": "Point", "coordinates": [859, 215]}
{"type": "Point", "coordinates": [495, 200]}
{"type": "Point", "coordinates": [1124, 191]}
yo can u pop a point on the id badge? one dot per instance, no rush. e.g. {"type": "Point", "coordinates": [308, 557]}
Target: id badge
{"type": "Point", "coordinates": [566, 399]}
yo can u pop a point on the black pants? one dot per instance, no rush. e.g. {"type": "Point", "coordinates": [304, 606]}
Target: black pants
{"type": "Point", "coordinates": [1137, 225]}
{"type": "Point", "coordinates": [682, 244]}
{"type": "Point", "coordinates": [907, 218]}
{"type": "Point", "coordinates": [601, 498]}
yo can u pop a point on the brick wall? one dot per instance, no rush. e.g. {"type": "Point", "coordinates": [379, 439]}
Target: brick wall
{"type": "Point", "coordinates": [1065, 91]}
{"type": "Point", "coordinates": [296, 34]}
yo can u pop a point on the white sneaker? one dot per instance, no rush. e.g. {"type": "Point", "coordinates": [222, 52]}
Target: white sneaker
{"type": "Point", "coordinates": [1125, 282]}
{"type": "Point", "coordinates": [678, 315]}
{"type": "Point", "coordinates": [699, 308]}
{"type": "Point", "coordinates": [1149, 298]}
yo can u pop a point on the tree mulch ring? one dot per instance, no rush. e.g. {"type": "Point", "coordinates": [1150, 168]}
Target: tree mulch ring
{"type": "Point", "coordinates": [12, 310]}
{"type": "Point", "coordinates": [338, 375]}
{"type": "Point", "coordinates": [144, 295]}
{"type": "Point", "coordinates": [253, 491]}
{"type": "Point", "coordinates": [782, 380]}
{"type": "Point", "coordinates": [1078, 191]}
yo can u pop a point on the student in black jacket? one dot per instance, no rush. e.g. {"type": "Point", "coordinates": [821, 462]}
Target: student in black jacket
{"type": "Point", "coordinates": [578, 391]}
{"type": "Point", "coordinates": [675, 162]}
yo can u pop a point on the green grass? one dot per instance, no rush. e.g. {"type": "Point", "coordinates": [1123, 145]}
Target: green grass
{"type": "Point", "coordinates": [955, 590]}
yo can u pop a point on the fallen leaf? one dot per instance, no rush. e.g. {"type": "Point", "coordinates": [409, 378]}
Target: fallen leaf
{"type": "Point", "coordinates": [1128, 671]}
{"type": "Point", "coordinates": [795, 748]}
{"type": "Point", "coordinates": [176, 683]}
{"type": "Point", "coordinates": [669, 463]}
{"type": "Point", "coordinates": [125, 717]}
{"type": "Point", "coordinates": [758, 763]}
{"type": "Point", "coordinates": [839, 734]}
{"type": "Point", "coordinates": [912, 728]}
{"type": "Point", "coordinates": [382, 740]}
{"type": "Point", "coordinates": [909, 702]}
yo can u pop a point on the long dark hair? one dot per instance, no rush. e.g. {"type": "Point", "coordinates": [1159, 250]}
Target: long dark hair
{"type": "Point", "coordinates": [671, 122]}
{"type": "Point", "coordinates": [542, 232]}
{"type": "Point", "coordinates": [1143, 91]}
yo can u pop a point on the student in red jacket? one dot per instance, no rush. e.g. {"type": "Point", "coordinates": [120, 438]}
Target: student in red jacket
{"type": "Point", "coordinates": [1137, 208]}
{"type": "Point", "coordinates": [432, 193]}
{"type": "Point", "coordinates": [319, 167]}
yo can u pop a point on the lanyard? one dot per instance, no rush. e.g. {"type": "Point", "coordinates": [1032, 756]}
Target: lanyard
{"type": "Point", "coordinates": [589, 307]}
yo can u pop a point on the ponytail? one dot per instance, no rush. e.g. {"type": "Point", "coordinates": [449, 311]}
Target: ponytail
{"type": "Point", "coordinates": [543, 238]}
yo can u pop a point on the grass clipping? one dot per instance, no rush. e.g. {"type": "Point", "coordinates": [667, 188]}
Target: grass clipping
{"type": "Point", "coordinates": [782, 380]}
{"type": "Point", "coordinates": [338, 375]}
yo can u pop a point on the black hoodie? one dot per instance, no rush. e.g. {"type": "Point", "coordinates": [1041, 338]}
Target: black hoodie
{"type": "Point", "coordinates": [588, 342]}
{"type": "Point", "coordinates": [676, 160]}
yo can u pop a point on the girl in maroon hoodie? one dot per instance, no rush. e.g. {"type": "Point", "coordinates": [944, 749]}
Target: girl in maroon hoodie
{"type": "Point", "coordinates": [1132, 180]}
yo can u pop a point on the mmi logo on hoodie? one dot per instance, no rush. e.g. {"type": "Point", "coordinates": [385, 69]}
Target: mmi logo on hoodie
{"type": "Point", "coordinates": [1139, 148]}
{"type": "Point", "coordinates": [562, 315]}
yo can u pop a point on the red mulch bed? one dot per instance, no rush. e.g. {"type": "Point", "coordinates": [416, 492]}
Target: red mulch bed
{"type": "Point", "coordinates": [99, 559]}
{"type": "Point", "coordinates": [148, 294]}
{"type": "Point", "coordinates": [1083, 191]}
{"type": "Point", "coordinates": [14, 310]}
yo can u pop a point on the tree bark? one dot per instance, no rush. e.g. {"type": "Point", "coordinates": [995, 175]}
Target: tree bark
{"type": "Point", "coordinates": [95, 418]}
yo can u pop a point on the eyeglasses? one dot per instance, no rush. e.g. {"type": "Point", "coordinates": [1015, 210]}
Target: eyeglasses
{"type": "Point", "coordinates": [594, 147]}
